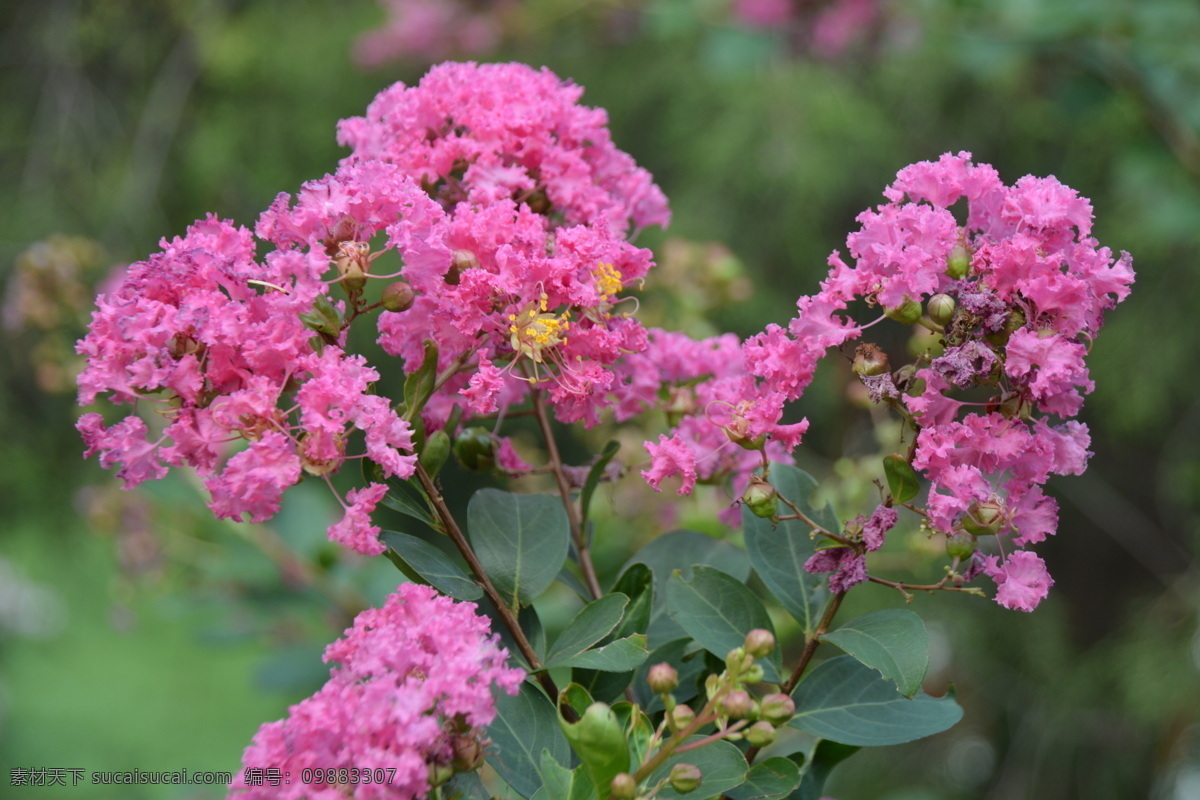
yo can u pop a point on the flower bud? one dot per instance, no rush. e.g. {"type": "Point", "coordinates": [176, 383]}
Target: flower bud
{"type": "Point", "coordinates": [476, 449]}
{"type": "Point", "coordinates": [468, 753]}
{"type": "Point", "coordinates": [460, 261]}
{"type": "Point", "coordinates": [983, 519]}
{"type": "Point", "coordinates": [959, 263]}
{"type": "Point", "coordinates": [960, 545]}
{"type": "Point", "coordinates": [685, 778]}
{"type": "Point", "coordinates": [683, 716]}
{"type": "Point", "coordinates": [662, 678]}
{"type": "Point", "coordinates": [738, 661]}
{"type": "Point", "coordinates": [907, 312]}
{"type": "Point", "coordinates": [869, 360]}
{"type": "Point", "coordinates": [736, 704]}
{"type": "Point", "coordinates": [777, 709]}
{"type": "Point", "coordinates": [439, 773]}
{"type": "Point", "coordinates": [941, 308]}
{"type": "Point", "coordinates": [1012, 323]}
{"type": "Point", "coordinates": [754, 674]}
{"type": "Point", "coordinates": [761, 498]}
{"type": "Point", "coordinates": [623, 786]}
{"type": "Point", "coordinates": [760, 734]}
{"type": "Point", "coordinates": [398, 296]}
{"type": "Point", "coordinates": [759, 643]}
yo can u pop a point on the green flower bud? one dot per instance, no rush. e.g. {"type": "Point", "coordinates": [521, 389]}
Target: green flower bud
{"type": "Point", "coordinates": [760, 734]}
{"type": "Point", "coordinates": [941, 308]}
{"type": "Point", "coordinates": [435, 452]}
{"type": "Point", "coordinates": [439, 774]}
{"type": "Point", "coordinates": [735, 661]}
{"type": "Point", "coordinates": [754, 674]}
{"type": "Point", "coordinates": [960, 545]}
{"type": "Point", "coordinates": [683, 716]}
{"type": "Point", "coordinates": [869, 360]}
{"type": "Point", "coordinates": [759, 643]}
{"type": "Point", "coordinates": [662, 678]}
{"type": "Point", "coordinates": [476, 449]}
{"type": "Point", "coordinates": [959, 263]}
{"type": "Point", "coordinates": [907, 312]}
{"type": "Point", "coordinates": [983, 519]}
{"type": "Point", "coordinates": [623, 786]}
{"type": "Point", "coordinates": [761, 498]}
{"type": "Point", "coordinates": [736, 704]}
{"type": "Point", "coordinates": [397, 296]}
{"type": "Point", "coordinates": [777, 709]}
{"type": "Point", "coordinates": [685, 778]}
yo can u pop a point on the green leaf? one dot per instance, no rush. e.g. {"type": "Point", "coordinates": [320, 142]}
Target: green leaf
{"type": "Point", "coordinates": [465, 786]}
{"type": "Point", "coordinates": [718, 611]}
{"type": "Point", "coordinates": [407, 497]}
{"type": "Point", "coordinates": [432, 566]}
{"type": "Point", "coordinates": [418, 387]}
{"type": "Point", "coordinates": [568, 578]}
{"type": "Point", "coordinates": [681, 550]}
{"type": "Point", "coordinates": [525, 725]}
{"type": "Point", "coordinates": [778, 552]}
{"type": "Point", "coordinates": [589, 626]}
{"type": "Point", "coordinates": [530, 624]}
{"type": "Point", "coordinates": [722, 767]}
{"type": "Point", "coordinates": [902, 481]}
{"type": "Point", "coordinates": [892, 641]}
{"type": "Point", "coordinates": [597, 737]}
{"type": "Point", "coordinates": [635, 583]}
{"type": "Point", "coordinates": [622, 655]}
{"type": "Point", "coordinates": [560, 783]}
{"type": "Point", "coordinates": [594, 475]}
{"type": "Point", "coordinates": [521, 540]}
{"type": "Point", "coordinates": [825, 756]}
{"type": "Point", "coordinates": [434, 452]}
{"type": "Point", "coordinates": [639, 730]}
{"type": "Point", "coordinates": [848, 702]}
{"type": "Point", "coordinates": [769, 780]}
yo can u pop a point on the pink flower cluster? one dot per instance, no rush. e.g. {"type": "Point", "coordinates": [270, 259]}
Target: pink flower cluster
{"type": "Point", "coordinates": [518, 274]}
{"type": "Point", "coordinates": [213, 341]}
{"type": "Point", "coordinates": [1019, 289]}
{"type": "Point", "coordinates": [507, 205]}
{"type": "Point", "coordinates": [724, 419]}
{"type": "Point", "coordinates": [411, 692]}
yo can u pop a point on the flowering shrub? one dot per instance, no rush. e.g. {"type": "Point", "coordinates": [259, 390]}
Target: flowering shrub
{"type": "Point", "coordinates": [506, 214]}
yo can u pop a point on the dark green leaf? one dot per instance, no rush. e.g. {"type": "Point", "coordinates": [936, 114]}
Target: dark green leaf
{"type": "Point", "coordinates": [521, 540]}
{"type": "Point", "coordinates": [560, 783]}
{"type": "Point", "coordinates": [594, 475]}
{"type": "Point", "coordinates": [718, 611]}
{"type": "Point", "coordinates": [530, 624]}
{"type": "Point", "coordinates": [825, 756]}
{"type": "Point", "coordinates": [892, 641]}
{"type": "Point", "coordinates": [681, 550]}
{"type": "Point", "coordinates": [589, 626]}
{"type": "Point", "coordinates": [418, 387]}
{"type": "Point", "coordinates": [465, 786]}
{"type": "Point", "coordinates": [769, 780]}
{"type": "Point", "coordinates": [721, 764]}
{"type": "Point", "coordinates": [778, 552]}
{"type": "Point", "coordinates": [902, 481]}
{"type": "Point", "coordinates": [635, 583]}
{"type": "Point", "coordinates": [848, 702]}
{"type": "Point", "coordinates": [432, 566]}
{"type": "Point", "coordinates": [568, 578]}
{"type": "Point", "coordinates": [525, 725]}
{"type": "Point", "coordinates": [622, 655]}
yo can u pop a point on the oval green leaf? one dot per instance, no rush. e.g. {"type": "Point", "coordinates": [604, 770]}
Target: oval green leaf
{"type": "Point", "coordinates": [521, 540]}
{"type": "Point", "coordinates": [718, 611]}
{"type": "Point", "coordinates": [525, 725]}
{"type": "Point", "coordinates": [432, 565]}
{"type": "Point", "coordinates": [770, 780]}
{"type": "Point", "coordinates": [902, 481]}
{"type": "Point", "coordinates": [722, 767]}
{"type": "Point", "coordinates": [892, 641]}
{"type": "Point", "coordinates": [848, 702]}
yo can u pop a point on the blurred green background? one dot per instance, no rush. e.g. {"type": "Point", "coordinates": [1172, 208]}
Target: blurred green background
{"type": "Point", "coordinates": [136, 634]}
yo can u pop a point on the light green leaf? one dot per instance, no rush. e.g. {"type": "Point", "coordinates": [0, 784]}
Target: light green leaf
{"type": "Point", "coordinates": [902, 481]}
{"type": "Point", "coordinates": [521, 540]}
{"type": "Point", "coordinates": [847, 702]}
{"type": "Point", "coordinates": [431, 566]}
{"type": "Point", "coordinates": [589, 626]}
{"type": "Point", "coordinates": [598, 736]}
{"type": "Point", "coordinates": [718, 611]}
{"type": "Point", "coordinates": [892, 641]}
